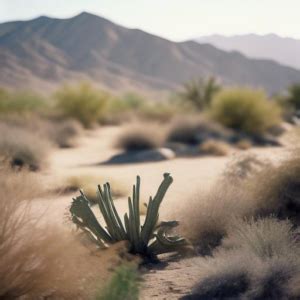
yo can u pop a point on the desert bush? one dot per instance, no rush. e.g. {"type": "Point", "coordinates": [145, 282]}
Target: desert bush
{"type": "Point", "coordinates": [89, 183]}
{"type": "Point", "coordinates": [124, 285]}
{"type": "Point", "coordinates": [245, 110]}
{"type": "Point", "coordinates": [199, 93]}
{"type": "Point", "coordinates": [194, 131]}
{"type": "Point", "coordinates": [22, 148]}
{"type": "Point", "coordinates": [140, 136]}
{"type": "Point", "coordinates": [63, 133]}
{"type": "Point", "coordinates": [82, 103]}
{"type": "Point", "coordinates": [276, 189]}
{"type": "Point", "coordinates": [215, 147]}
{"type": "Point", "coordinates": [258, 260]}
{"type": "Point", "coordinates": [243, 144]}
{"type": "Point", "coordinates": [20, 102]}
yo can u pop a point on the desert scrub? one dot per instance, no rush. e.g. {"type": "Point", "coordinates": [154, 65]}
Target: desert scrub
{"type": "Point", "coordinates": [88, 184]}
{"type": "Point", "coordinates": [258, 260]}
{"type": "Point", "coordinates": [140, 136]}
{"type": "Point", "coordinates": [123, 285]}
{"type": "Point", "coordinates": [214, 147]}
{"type": "Point", "coordinates": [195, 130]}
{"type": "Point", "coordinates": [276, 188]}
{"type": "Point", "coordinates": [22, 148]}
{"type": "Point", "coordinates": [82, 103]}
{"type": "Point", "coordinates": [21, 102]}
{"type": "Point", "coordinates": [148, 240]}
{"type": "Point", "coordinates": [248, 111]}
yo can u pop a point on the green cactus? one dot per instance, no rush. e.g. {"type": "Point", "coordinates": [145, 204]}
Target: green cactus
{"type": "Point", "coordinates": [148, 240]}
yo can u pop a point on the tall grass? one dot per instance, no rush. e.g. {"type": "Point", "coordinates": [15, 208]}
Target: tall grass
{"type": "Point", "coordinates": [245, 110]}
{"type": "Point", "coordinates": [22, 148]}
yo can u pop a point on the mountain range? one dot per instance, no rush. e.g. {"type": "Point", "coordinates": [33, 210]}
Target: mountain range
{"type": "Point", "coordinates": [270, 46]}
{"type": "Point", "coordinates": [45, 52]}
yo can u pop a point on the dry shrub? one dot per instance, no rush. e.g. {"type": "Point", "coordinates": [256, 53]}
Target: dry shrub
{"type": "Point", "coordinates": [276, 189]}
{"type": "Point", "coordinates": [64, 133]}
{"type": "Point", "coordinates": [209, 214]}
{"type": "Point", "coordinates": [61, 133]}
{"type": "Point", "coordinates": [38, 260]}
{"type": "Point", "coordinates": [193, 131]}
{"type": "Point", "coordinates": [243, 144]}
{"type": "Point", "coordinates": [22, 148]}
{"type": "Point", "coordinates": [215, 147]}
{"type": "Point", "coordinates": [260, 260]}
{"type": "Point", "coordinates": [89, 184]}
{"type": "Point", "coordinates": [140, 136]}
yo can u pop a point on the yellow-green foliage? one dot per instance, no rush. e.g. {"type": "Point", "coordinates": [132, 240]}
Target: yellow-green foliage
{"type": "Point", "coordinates": [83, 103]}
{"type": "Point", "coordinates": [244, 109]}
{"type": "Point", "coordinates": [124, 285]}
{"type": "Point", "coordinates": [89, 183]}
{"type": "Point", "coordinates": [20, 102]}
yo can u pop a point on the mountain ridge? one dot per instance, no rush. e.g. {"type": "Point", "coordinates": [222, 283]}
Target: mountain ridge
{"type": "Point", "coordinates": [284, 50]}
{"type": "Point", "coordinates": [45, 52]}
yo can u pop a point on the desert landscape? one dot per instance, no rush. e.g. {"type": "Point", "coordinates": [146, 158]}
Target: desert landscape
{"type": "Point", "coordinates": [134, 166]}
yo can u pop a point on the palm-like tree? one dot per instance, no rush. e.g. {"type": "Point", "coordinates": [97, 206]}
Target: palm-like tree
{"type": "Point", "coordinates": [200, 92]}
{"type": "Point", "coordinates": [293, 97]}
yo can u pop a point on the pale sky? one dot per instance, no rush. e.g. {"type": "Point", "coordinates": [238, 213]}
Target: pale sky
{"type": "Point", "coordinates": [173, 19]}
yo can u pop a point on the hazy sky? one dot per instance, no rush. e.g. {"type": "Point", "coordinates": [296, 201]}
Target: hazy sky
{"type": "Point", "coordinates": [173, 19]}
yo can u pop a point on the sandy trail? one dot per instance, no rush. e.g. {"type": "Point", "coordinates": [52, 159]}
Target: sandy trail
{"type": "Point", "coordinates": [190, 175]}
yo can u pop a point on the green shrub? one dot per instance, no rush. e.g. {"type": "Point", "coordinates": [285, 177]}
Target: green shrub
{"type": "Point", "coordinates": [245, 110]}
{"type": "Point", "coordinates": [20, 102]}
{"type": "Point", "coordinates": [82, 102]}
{"type": "Point", "coordinates": [124, 285]}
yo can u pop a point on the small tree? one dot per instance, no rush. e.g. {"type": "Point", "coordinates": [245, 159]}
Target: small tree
{"type": "Point", "coordinates": [200, 92]}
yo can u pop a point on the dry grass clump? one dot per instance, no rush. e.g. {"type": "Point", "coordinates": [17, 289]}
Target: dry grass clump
{"type": "Point", "coordinates": [64, 133]}
{"type": "Point", "coordinates": [245, 110]}
{"type": "Point", "coordinates": [89, 184]}
{"type": "Point", "coordinates": [139, 137]}
{"type": "Point", "coordinates": [22, 148]}
{"type": "Point", "coordinates": [39, 260]}
{"type": "Point", "coordinates": [243, 144]}
{"type": "Point", "coordinates": [194, 131]}
{"type": "Point", "coordinates": [61, 133]}
{"type": "Point", "coordinates": [206, 219]}
{"type": "Point", "coordinates": [215, 147]}
{"type": "Point", "coordinates": [259, 260]}
{"type": "Point", "coordinates": [276, 189]}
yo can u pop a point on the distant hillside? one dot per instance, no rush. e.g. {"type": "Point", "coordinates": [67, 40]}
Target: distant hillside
{"type": "Point", "coordinates": [271, 46]}
{"type": "Point", "coordinates": [45, 52]}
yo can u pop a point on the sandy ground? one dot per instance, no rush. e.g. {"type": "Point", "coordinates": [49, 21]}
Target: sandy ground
{"type": "Point", "coordinates": [190, 175]}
